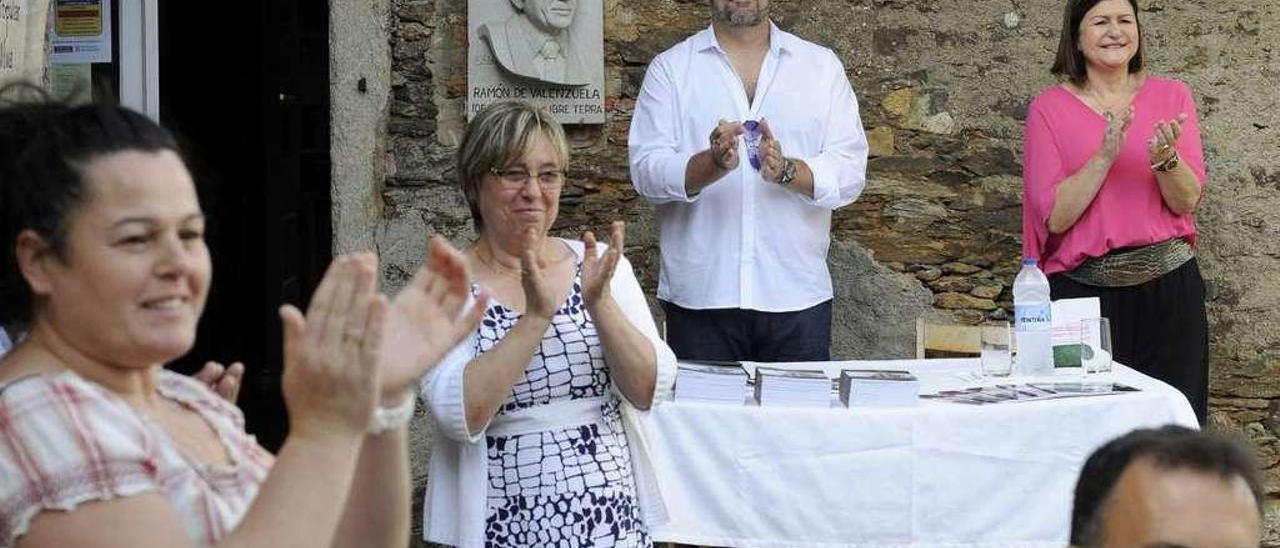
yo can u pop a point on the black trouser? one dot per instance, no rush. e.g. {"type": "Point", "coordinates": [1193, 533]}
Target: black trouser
{"type": "Point", "coordinates": [1159, 328]}
{"type": "Point", "coordinates": [750, 335]}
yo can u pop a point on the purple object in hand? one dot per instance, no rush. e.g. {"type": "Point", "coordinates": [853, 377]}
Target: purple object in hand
{"type": "Point", "coordinates": [753, 136]}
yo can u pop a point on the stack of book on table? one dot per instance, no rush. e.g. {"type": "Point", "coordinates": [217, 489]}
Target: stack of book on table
{"type": "Point", "coordinates": [717, 382]}
{"type": "Point", "coordinates": [792, 387]}
{"type": "Point", "coordinates": [878, 388]}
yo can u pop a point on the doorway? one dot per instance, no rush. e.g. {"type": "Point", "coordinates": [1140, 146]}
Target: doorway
{"type": "Point", "coordinates": [245, 88]}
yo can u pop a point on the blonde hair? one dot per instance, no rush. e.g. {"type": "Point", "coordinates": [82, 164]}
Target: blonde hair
{"type": "Point", "coordinates": [499, 136]}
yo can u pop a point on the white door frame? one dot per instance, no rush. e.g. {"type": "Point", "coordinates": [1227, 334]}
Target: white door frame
{"type": "Point", "coordinates": [139, 38]}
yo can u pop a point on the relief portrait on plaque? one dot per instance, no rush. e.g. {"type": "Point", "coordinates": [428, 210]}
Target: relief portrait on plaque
{"type": "Point", "coordinates": [537, 42]}
{"type": "Point", "coordinates": [546, 52]}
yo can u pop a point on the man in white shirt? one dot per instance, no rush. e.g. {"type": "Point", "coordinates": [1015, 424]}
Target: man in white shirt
{"type": "Point", "coordinates": [744, 273]}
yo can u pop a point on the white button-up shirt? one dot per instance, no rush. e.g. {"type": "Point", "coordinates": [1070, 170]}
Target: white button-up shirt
{"type": "Point", "coordinates": [743, 242]}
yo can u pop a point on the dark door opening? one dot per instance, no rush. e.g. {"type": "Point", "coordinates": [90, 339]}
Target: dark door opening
{"type": "Point", "coordinates": [247, 92]}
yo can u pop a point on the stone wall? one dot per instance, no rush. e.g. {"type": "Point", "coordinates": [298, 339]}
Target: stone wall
{"type": "Point", "coordinates": [943, 87]}
{"type": "Point", "coordinates": [24, 26]}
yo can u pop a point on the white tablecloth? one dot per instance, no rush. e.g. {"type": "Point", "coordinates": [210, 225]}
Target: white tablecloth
{"type": "Point", "coordinates": [940, 474]}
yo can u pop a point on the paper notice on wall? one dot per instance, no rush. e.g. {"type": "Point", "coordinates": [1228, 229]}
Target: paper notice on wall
{"type": "Point", "coordinates": [80, 32]}
{"type": "Point", "coordinates": [22, 40]}
{"type": "Point", "coordinates": [72, 83]}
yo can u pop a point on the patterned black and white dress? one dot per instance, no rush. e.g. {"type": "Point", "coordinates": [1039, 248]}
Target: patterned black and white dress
{"type": "Point", "coordinates": [572, 486]}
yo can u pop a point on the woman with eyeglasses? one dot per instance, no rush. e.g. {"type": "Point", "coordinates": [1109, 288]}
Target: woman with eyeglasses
{"type": "Point", "coordinates": [531, 446]}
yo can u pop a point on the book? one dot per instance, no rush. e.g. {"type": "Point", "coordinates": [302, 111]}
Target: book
{"type": "Point", "coordinates": [878, 388]}
{"type": "Point", "coordinates": [716, 382]}
{"type": "Point", "coordinates": [1068, 389]}
{"type": "Point", "coordinates": [1028, 392]}
{"type": "Point", "coordinates": [792, 387]}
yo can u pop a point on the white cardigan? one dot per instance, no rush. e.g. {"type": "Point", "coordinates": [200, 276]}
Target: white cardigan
{"type": "Point", "coordinates": [457, 482]}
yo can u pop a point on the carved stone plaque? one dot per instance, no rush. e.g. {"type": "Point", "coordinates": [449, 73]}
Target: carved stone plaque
{"type": "Point", "coordinates": [546, 52]}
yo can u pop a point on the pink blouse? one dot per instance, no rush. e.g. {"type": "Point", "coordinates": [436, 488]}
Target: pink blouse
{"type": "Point", "coordinates": [65, 441]}
{"type": "Point", "coordinates": [1062, 133]}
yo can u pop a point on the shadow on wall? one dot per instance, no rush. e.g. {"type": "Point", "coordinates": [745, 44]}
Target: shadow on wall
{"type": "Point", "coordinates": [875, 307]}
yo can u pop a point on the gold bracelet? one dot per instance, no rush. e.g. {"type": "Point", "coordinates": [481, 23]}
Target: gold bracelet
{"type": "Point", "coordinates": [1168, 164]}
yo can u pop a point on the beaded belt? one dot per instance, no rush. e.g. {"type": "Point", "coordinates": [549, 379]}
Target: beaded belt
{"type": "Point", "coordinates": [1134, 266]}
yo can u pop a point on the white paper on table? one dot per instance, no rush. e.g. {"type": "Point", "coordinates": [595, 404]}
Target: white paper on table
{"type": "Point", "coordinates": [795, 392]}
{"type": "Point", "coordinates": [884, 393]}
{"type": "Point", "coordinates": [1067, 314]}
{"type": "Point", "coordinates": [714, 387]}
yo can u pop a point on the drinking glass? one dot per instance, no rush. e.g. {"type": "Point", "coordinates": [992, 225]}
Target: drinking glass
{"type": "Point", "coordinates": [996, 357]}
{"type": "Point", "coordinates": [1095, 353]}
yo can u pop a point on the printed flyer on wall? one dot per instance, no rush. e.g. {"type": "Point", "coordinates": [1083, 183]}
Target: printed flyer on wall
{"type": "Point", "coordinates": [80, 31]}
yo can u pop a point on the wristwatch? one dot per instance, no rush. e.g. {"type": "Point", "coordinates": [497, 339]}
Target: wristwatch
{"type": "Point", "coordinates": [788, 172]}
{"type": "Point", "coordinates": [1168, 164]}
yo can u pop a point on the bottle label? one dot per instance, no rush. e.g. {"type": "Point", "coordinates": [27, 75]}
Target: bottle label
{"type": "Point", "coordinates": [1032, 317]}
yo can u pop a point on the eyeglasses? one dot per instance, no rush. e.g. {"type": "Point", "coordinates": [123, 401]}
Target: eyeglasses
{"type": "Point", "coordinates": [515, 179]}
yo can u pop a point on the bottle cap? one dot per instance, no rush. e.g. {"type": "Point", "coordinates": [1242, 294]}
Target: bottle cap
{"type": "Point", "coordinates": [1029, 261]}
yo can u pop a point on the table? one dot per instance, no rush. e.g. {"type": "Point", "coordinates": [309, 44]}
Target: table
{"type": "Point", "coordinates": [939, 474]}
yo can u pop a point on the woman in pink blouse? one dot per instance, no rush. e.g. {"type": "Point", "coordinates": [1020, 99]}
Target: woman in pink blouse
{"type": "Point", "coordinates": [103, 265]}
{"type": "Point", "coordinates": [1113, 171]}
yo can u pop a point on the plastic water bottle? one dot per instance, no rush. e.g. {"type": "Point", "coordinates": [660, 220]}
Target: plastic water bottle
{"type": "Point", "coordinates": [1033, 322]}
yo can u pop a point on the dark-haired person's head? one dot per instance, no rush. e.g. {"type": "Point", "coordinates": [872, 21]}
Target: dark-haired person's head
{"type": "Point", "coordinates": [1168, 487]}
{"type": "Point", "coordinates": [1102, 33]}
{"type": "Point", "coordinates": [101, 232]}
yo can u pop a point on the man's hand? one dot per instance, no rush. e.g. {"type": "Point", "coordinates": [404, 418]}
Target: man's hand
{"type": "Point", "coordinates": [724, 144]}
{"type": "Point", "coordinates": [771, 160]}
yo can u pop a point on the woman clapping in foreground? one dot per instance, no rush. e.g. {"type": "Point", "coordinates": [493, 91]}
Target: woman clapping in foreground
{"type": "Point", "coordinates": [103, 263]}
